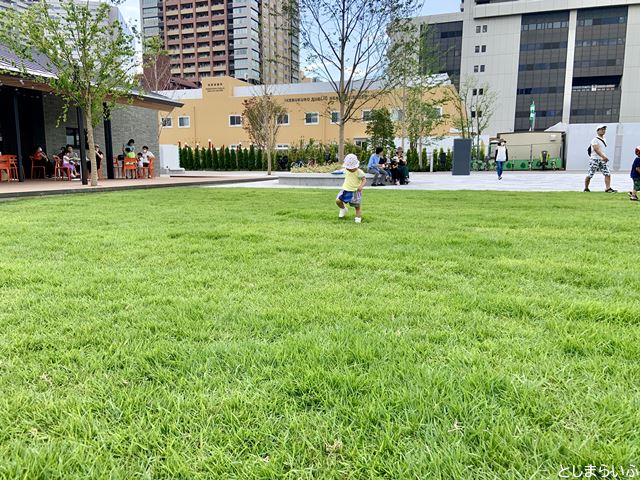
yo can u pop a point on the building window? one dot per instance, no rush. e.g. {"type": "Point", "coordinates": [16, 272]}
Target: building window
{"type": "Point", "coordinates": [283, 119]}
{"type": "Point", "coordinates": [483, 49]}
{"type": "Point", "coordinates": [235, 120]}
{"type": "Point", "coordinates": [477, 49]}
{"type": "Point", "coordinates": [476, 68]}
{"type": "Point", "coordinates": [484, 29]}
{"type": "Point", "coordinates": [361, 142]}
{"type": "Point", "coordinates": [167, 122]}
{"type": "Point", "coordinates": [73, 137]}
{"type": "Point", "coordinates": [311, 118]}
{"type": "Point", "coordinates": [184, 122]}
{"type": "Point", "coordinates": [440, 111]}
{"type": "Point", "coordinates": [366, 115]}
{"type": "Point", "coordinates": [481, 68]}
{"type": "Point", "coordinates": [477, 28]}
{"type": "Point", "coordinates": [282, 146]}
{"type": "Point", "coordinates": [397, 114]}
{"type": "Point", "coordinates": [335, 117]}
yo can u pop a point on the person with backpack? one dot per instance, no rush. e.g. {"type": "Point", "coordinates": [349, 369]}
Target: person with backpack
{"type": "Point", "coordinates": [598, 160]}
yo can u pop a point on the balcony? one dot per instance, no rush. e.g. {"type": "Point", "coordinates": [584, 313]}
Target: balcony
{"type": "Point", "coordinates": [202, 29]}
{"type": "Point", "coordinates": [187, 30]}
{"type": "Point", "coordinates": [202, 10]}
{"type": "Point", "coordinates": [203, 49]}
{"type": "Point", "coordinates": [188, 50]}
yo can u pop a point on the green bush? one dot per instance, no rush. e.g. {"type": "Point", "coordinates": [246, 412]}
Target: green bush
{"type": "Point", "coordinates": [196, 159]}
{"type": "Point", "coordinates": [214, 160]}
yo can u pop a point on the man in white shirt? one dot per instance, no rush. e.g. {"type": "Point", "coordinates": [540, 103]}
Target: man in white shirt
{"type": "Point", "coordinates": [598, 160]}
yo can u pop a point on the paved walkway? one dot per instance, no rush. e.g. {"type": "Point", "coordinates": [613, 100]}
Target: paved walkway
{"type": "Point", "coordinates": [40, 187]}
{"type": "Point", "coordinates": [511, 181]}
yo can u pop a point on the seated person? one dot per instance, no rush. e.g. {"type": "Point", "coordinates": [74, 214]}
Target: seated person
{"type": "Point", "coordinates": [41, 159]}
{"type": "Point", "coordinates": [67, 161]}
{"type": "Point", "coordinates": [384, 167]}
{"type": "Point", "coordinates": [147, 158]}
{"type": "Point", "coordinates": [403, 168]}
{"type": "Point", "coordinates": [395, 171]}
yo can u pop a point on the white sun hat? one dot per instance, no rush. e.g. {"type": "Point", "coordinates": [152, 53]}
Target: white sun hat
{"type": "Point", "coordinates": [351, 161]}
{"type": "Point", "coordinates": [600, 126]}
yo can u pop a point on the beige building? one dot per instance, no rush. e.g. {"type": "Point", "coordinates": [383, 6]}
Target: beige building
{"type": "Point", "coordinates": [213, 114]}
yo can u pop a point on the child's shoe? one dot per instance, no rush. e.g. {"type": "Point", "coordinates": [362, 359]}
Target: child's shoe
{"type": "Point", "coordinates": [358, 219]}
{"type": "Point", "coordinates": [343, 212]}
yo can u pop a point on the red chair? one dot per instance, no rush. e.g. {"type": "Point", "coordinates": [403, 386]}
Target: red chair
{"type": "Point", "coordinates": [147, 172]}
{"type": "Point", "coordinates": [13, 163]}
{"type": "Point", "coordinates": [5, 166]}
{"type": "Point", "coordinates": [59, 169]}
{"type": "Point", "coordinates": [130, 165]}
{"type": "Point", "coordinates": [117, 168]}
{"type": "Point", "coordinates": [35, 168]}
{"type": "Point", "coordinates": [151, 162]}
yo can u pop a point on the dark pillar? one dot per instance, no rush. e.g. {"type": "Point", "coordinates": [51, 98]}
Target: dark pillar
{"type": "Point", "coordinates": [461, 156]}
{"type": "Point", "coordinates": [108, 141]}
{"type": "Point", "coordinates": [16, 118]}
{"type": "Point", "coordinates": [83, 157]}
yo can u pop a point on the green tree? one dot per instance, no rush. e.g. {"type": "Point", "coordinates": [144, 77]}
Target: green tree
{"type": "Point", "coordinates": [227, 159]}
{"type": "Point", "coordinates": [190, 158]}
{"type": "Point", "coordinates": [380, 129]}
{"type": "Point", "coordinates": [260, 160]}
{"type": "Point", "coordinates": [259, 119]}
{"type": "Point", "coordinates": [196, 159]}
{"type": "Point", "coordinates": [252, 158]}
{"type": "Point", "coordinates": [92, 58]}
{"type": "Point", "coordinates": [209, 165]}
{"type": "Point", "coordinates": [214, 159]}
{"type": "Point", "coordinates": [233, 159]}
{"type": "Point", "coordinates": [351, 44]}
{"type": "Point", "coordinates": [421, 117]}
{"type": "Point", "coordinates": [474, 105]}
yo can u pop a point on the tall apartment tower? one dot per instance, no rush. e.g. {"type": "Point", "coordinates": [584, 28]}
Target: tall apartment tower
{"type": "Point", "coordinates": [577, 60]}
{"type": "Point", "coordinates": [209, 38]}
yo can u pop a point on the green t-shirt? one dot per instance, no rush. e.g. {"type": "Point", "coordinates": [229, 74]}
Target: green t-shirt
{"type": "Point", "coordinates": [352, 180]}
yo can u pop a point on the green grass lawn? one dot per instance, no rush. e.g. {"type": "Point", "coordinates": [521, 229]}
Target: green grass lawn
{"type": "Point", "coordinates": [236, 333]}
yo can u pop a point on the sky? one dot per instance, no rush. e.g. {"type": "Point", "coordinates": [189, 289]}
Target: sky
{"type": "Point", "coordinates": [131, 9]}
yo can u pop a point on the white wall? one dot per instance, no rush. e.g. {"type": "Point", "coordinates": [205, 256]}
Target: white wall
{"type": "Point", "coordinates": [630, 103]}
{"type": "Point", "coordinates": [622, 138]}
{"type": "Point", "coordinates": [169, 158]}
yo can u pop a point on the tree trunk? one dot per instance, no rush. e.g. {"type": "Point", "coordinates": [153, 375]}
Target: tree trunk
{"type": "Point", "coordinates": [420, 152]}
{"type": "Point", "coordinates": [91, 154]}
{"type": "Point", "coordinates": [268, 161]}
{"type": "Point", "coordinates": [341, 133]}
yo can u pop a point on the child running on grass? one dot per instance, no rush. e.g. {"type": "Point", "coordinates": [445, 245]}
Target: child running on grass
{"type": "Point", "coordinates": [351, 193]}
{"type": "Point", "coordinates": [635, 176]}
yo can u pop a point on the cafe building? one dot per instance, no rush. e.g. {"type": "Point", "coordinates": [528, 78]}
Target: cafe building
{"type": "Point", "coordinates": [31, 117]}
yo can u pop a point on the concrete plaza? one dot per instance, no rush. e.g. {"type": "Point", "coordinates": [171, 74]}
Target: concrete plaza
{"type": "Point", "coordinates": [511, 181]}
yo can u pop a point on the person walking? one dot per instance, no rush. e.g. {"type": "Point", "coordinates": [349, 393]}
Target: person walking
{"type": "Point", "coordinates": [598, 160]}
{"type": "Point", "coordinates": [502, 156]}
{"type": "Point", "coordinates": [374, 167]}
{"type": "Point", "coordinates": [351, 192]}
{"type": "Point", "coordinates": [635, 176]}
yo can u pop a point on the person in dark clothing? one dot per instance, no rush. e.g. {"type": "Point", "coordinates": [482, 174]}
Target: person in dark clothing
{"type": "Point", "coordinates": [40, 159]}
{"type": "Point", "coordinates": [99, 156]}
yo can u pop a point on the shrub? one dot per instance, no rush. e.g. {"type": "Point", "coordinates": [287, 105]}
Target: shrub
{"type": "Point", "coordinates": [214, 160]}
